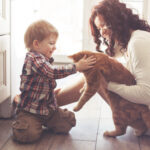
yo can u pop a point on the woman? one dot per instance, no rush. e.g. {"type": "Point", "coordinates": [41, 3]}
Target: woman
{"type": "Point", "coordinates": [124, 33]}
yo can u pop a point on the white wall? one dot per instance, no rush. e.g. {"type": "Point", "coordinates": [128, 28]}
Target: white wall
{"type": "Point", "coordinates": [146, 10]}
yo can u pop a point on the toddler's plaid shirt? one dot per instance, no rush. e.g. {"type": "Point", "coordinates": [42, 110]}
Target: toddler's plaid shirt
{"type": "Point", "coordinates": [38, 83]}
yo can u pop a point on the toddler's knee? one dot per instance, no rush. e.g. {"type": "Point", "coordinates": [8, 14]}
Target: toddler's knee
{"type": "Point", "coordinates": [66, 122]}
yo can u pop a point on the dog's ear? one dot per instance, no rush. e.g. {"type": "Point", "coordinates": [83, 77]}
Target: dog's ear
{"type": "Point", "coordinates": [73, 57]}
{"type": "Point", "coordinates": [77, 56]}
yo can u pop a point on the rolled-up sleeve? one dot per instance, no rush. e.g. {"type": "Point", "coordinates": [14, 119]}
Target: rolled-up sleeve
{"type": "Point", "coordinates": [134, 93]}
{"type": "Point", "coordinates": [139, 56]}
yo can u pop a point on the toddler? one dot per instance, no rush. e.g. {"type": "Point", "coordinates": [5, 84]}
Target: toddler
{"type": "Point", "coordinates": [37, 105]}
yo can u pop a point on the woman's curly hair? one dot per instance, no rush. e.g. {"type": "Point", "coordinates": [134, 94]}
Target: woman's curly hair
{"type": "Point", "coordinates": [120, 20]}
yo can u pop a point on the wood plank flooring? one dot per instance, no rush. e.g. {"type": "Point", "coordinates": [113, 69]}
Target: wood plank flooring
{"type": "Point", "coordinates": [92, 121]}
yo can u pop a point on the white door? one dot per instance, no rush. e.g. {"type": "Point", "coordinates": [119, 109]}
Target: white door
{"type": "Point", "coordinates": [4, 53]}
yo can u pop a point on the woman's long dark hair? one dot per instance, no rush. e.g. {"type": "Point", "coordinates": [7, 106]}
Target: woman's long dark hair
{"type": "Point", "coordinates": [121, 21]}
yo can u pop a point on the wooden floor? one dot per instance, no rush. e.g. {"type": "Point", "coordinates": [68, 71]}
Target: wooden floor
{"type": "Point", "coordinates": [92, 121]}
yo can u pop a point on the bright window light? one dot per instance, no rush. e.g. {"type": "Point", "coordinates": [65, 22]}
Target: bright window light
{"type": "Point", "coordinates": [65, 15]}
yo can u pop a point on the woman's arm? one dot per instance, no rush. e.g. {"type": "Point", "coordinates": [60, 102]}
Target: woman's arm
{"type": "Point", "coordinates": [139, 59]}
{"type": "Point", "coordinates": [134, 93]}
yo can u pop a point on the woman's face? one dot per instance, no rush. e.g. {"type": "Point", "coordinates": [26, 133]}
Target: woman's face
{"type": "Point", "coordinates": [105, 31]}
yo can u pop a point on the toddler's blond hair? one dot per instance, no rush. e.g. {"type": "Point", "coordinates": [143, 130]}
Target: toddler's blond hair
{"type": "Point", "coordinates": [38, 30]}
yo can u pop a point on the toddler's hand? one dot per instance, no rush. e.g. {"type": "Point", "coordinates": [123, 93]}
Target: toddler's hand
{"type": "Point", "coordinates": [85, 63]}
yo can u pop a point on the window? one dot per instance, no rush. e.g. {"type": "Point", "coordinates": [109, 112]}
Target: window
{"type": "Point", "coordinates": [136, 5]}
{"type": "Point", "coordinates": [65, 15]}
{"type": "Point", "coordinates": [68, 16]}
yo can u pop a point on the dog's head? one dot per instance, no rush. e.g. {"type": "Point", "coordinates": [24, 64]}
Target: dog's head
{"type": "Point", "coordinates": [77, 56]}
{"type": "Point", "coordinates": [101, 59]}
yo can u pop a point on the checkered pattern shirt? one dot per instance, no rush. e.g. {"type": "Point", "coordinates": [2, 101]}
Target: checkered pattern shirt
{"type": "Point", "coordinates": [38, 83]}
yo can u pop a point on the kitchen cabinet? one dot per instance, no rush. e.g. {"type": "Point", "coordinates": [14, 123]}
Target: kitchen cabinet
{"type": "Point", "coordinates": [4, 67]}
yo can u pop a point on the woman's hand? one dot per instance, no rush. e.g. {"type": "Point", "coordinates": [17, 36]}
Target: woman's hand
{"type": "Point", "coordinates": [85, 63]}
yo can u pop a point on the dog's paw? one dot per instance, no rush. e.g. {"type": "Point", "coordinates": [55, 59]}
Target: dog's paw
{"type": "Point", "coordinates": [109, 134]}
{"type": "Point", "coordinates": [106, 133]}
